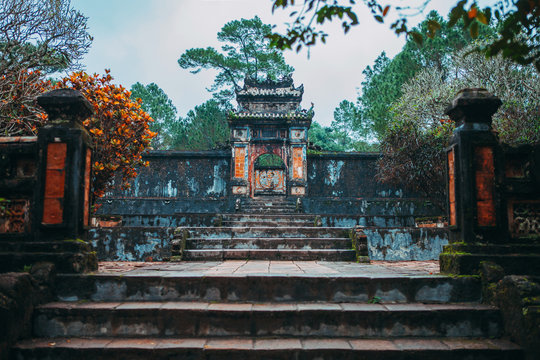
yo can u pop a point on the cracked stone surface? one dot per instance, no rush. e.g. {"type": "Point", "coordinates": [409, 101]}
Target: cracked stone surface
{"type": "Point", "coordinates": [259, 267]}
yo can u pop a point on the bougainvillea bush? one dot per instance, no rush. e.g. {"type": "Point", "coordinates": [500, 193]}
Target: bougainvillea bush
{"type": "Point", "coordinates": [19, 113]}
{"type": "Point", "coordinates": [119, 127]}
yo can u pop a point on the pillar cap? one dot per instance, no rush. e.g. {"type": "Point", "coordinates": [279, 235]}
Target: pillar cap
{"type": "Point", "coordinates": [473, 105]}
{"type": "Point", "coordinates": [65, 105]}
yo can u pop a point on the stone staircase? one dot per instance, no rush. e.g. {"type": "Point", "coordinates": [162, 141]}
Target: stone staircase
{"type": "Point", "coordinates": [267, 229]}
{"type": "Point", "coordinates": [348, 315]}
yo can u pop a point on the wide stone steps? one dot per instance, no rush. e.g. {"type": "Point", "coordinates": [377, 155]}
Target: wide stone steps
{"type": "Point", "coordinates": [161, 314]}
{"type": "Point", "coordinates": [272, 254]}
{"type": "Point", "coordinates": [263, 238]}
{"type": "Point", "coordinates": [313, 220]}
{"type": "Point", "coordinates": [227, 348]}
{"type": "Point", "coordinates": [233, 219]}
{"type": "Point", "coordinates": [267, 232]}
{"type": "Point", "coordinates": [263, 288]}
{"type": "Point", "coordinates": [268, 243]}
{"type": "Point", "coordinates": [193, 319]}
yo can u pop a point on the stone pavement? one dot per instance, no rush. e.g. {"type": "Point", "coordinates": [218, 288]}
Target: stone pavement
{"type": "Point", "coordinates": [259, 267]}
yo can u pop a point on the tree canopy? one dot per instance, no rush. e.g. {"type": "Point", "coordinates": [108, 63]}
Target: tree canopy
{"type": "Point", "coordinates": [203, 128]}
{"type": "Point", "coordinates": [245, 52]}
{"type": "Point", "coordinates": [383, 80]}
{"type": "Point", "coordinates": [45, 35]}
{"type": "Point", "coordinates": [517, 21]}
{"type": "Point", "coordinates": [413, 146]}
{"type": "Point", "coordinates": [157, 104]}
{"type": "Point", "coordinates": [119, 128]}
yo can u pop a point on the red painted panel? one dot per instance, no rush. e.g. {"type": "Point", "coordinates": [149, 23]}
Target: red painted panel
{"type": "Point", "coordinates": [52, 211]}
{"type": "Point", "coordinates": [55, 179]}
{"type": "Point", "coordinates": [56, 155]}
{"type": "Point", "coordinates": [485, 186]}
{"type": "Point", "coordinates": [87, 175]}
{"type": "Point", "coordinates": [298, 163]}
{"type": "Point", "coordinates": [452, 187]}
{"type": "Point", "coordinates": [239, 161]}
{"type": "Point", "coordinates": [54, 183]}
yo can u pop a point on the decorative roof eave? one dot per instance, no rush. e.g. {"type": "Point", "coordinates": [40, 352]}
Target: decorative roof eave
{"type": "Point", "coordinates": [274, 116]}
{"type": "Point", "coordinates": [283, 87]}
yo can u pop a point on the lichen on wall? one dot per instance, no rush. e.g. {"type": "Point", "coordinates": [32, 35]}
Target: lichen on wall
{"type": "Point", "coordinates": [219, 185]}
{"type": "Point", "coordinates": [406, 243]}
{"type": "Point", "coordinates": [334, 172]}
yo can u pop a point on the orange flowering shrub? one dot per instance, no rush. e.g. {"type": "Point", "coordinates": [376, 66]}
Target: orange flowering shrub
{"type": "Point", "coordinates": [119, 127]}
{"type": "Point", "coordinates": [19, 113]}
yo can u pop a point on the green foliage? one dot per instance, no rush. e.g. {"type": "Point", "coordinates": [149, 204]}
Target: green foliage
{"type": "Point", "coordinates": [517, 21]}
{"type": "Point", "coordinates": [269, 160]}
{"type": "Point", "coordinates": [246, 52]}
{"type": "Point", "coordinates": [413, 146]}
{"type": "Point", "coordinates": [414, 156]}
{"type": "Point", "coordinates": [336, 138]}
{"type": "Point", "coordinates": [157, 104]}
{"type": "Point", "coordinates": [383, 82]}
{"type": "Point", "coordinates": [204, 128]}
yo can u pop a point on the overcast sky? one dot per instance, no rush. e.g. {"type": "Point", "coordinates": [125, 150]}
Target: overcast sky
{"type": "Point", "coordinates": [141, 40]}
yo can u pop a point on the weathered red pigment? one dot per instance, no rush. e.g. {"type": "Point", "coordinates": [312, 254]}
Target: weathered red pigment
{"type": "Point", "coordinates": [55, 178]}
{"type": "Point", "coordinates": [452, 187]}
{"type": "Point", "coordinates": [87, 174]}
{"type": "Point", "coordinates": [239, 161]}
{"type": "Point", "coordinates": [485, 186]}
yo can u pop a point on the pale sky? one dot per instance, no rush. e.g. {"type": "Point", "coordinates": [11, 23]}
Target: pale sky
{"type": "Point", "coordinates": [141, 40]}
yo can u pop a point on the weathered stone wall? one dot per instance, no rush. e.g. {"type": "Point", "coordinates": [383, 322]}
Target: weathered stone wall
{"type": "Point", "coordinates": [199, 182]}
{"type": "Point", "coordinates": [18, 177]}
{"type": "Point", "coordinates": [175, 182]}
{"type": "Point", "coordinates": [346, 176]}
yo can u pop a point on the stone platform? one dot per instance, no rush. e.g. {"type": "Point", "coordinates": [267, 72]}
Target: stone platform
{"type": "Point", "coordinates": [258, 267]}
{"type": "Point", "coordinates": [267, 310]}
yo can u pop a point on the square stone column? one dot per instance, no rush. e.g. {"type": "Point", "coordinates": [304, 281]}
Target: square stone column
{"type": "Point", "coordinates": [475, 175]}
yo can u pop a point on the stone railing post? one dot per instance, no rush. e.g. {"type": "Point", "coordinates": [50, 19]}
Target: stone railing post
{"type": "Point", "coordinates": [64, 170]}
{"type": "Point", "coordinates": [475, 173]}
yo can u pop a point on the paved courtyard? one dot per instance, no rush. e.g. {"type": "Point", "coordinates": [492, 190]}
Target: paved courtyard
{"type": "Point", "coordinates": [260, 267]}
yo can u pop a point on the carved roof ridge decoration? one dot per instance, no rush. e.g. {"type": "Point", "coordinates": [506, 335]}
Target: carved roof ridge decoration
{"type": "Point", "coordinates": [297, 114]}
{"type": "Point", "coordinates": [283, 87]}
{"type": "Point", "coordinates": [271, 99]}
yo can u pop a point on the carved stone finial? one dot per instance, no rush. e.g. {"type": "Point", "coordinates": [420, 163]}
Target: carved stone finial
{"type": "Point", "coordinates": [65, 105]}
{"type": "Point", "coordinates": [473, 105]}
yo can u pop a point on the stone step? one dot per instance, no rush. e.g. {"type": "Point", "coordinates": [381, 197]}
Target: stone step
{"type": "Point", "coordinates": [269, 254]}
{"type": "Point", "coordinates": [44, 246]}
{"type": "Point", "coordinates": [268, 223]}
{"type": "Point", "coordinates": [186, 319]}
{"type": "Point", "coordinates": [66, 262]}
{"type": "Point", "coordinates": [496, 249]}
{"type": "Point", "coordinates": [268, 243]}
{"type": "Point", "coordinates": [262, 210]}
{"type": "Point", "coordinates": [267, 231]}
{"type": "Point", "coordinates": [516, 264]}
{"type": "Point", "coordinates": [329, 220]}
{"type": "Point", "coordinates": [260, 348]}
{"type": "Point", "coordinates": [196, 219]}
{"type": "Point", "coordinates": [263, 287]}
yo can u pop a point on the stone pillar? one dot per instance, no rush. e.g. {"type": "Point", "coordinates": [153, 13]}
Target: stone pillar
{"type": "Point", "coordinates": [64, 170]}
{"type": "Point", "coordinates": [298, 161]}
{"type": "Point", "coordinates": [477, 217]}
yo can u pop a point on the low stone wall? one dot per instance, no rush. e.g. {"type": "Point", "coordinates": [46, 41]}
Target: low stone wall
{"type": "Point", "coordinates": [132, 243]}
{"type": "Point", "coordinates": [175, 182]}
{"type": "Point", "coordinates": [199, 182]}
{"type": "Point", "coordinates": [406, 243]}
{"type": "Point", "coordinates": [154, 243]}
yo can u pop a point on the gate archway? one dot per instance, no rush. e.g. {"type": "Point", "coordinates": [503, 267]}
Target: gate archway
{"type": "Point", "coordinates": [270, 175]}
{"type": "Point", "coordinates": [269, 139]}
